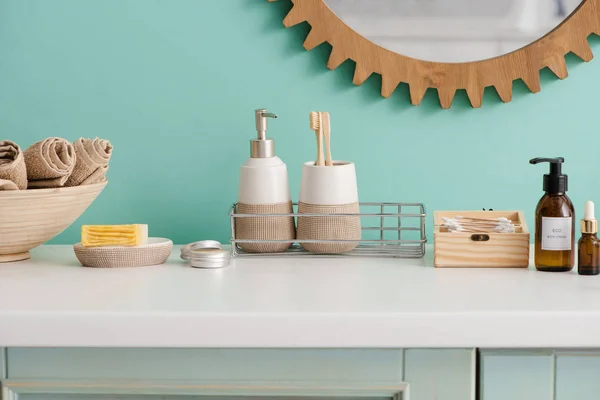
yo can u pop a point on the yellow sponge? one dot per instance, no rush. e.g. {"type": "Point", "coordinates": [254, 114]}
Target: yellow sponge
{"type": "Point", "coordinates": [114, 235]}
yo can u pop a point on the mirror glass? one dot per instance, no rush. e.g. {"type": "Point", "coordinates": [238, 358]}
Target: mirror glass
{"type": "Point", "coordinates": [453, 30]}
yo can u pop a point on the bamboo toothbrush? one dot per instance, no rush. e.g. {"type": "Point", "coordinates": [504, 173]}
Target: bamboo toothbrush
{"type": "Point", "coordinates": [315, 125]}
{"type": "Point", "coordinates": [326, 125]}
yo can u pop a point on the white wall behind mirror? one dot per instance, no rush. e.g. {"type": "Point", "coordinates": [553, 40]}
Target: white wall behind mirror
{"type": "Point", "coordinates": [453, 30]}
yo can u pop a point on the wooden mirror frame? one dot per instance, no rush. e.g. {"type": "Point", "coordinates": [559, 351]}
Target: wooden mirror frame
{"type": "Point", "coordinates": [500, 72]}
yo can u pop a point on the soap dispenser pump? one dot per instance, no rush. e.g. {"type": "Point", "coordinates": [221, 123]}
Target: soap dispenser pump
{"type": "Point", "coordinates": [264, 189]}
{"type": "Point", "coordinates": [262, 147]}
{"type": "Point", "coordinates": [554, 221]}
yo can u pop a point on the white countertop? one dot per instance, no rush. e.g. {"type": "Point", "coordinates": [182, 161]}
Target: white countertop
{"type": "Point", "coordinates": [301, 302]}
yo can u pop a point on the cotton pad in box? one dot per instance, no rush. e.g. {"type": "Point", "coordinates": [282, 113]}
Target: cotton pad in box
{"type": "Point", "coordinates": [157, 251]}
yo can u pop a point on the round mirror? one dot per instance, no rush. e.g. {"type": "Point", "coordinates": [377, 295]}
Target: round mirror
{"type": "Point", "coordinates": [452, 30]}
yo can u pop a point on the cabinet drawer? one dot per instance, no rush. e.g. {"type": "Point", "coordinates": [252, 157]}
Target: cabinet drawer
{"type": "Point", "coordinates": [174, 397]}
{"type": "Point", "coordinates": [368, 365]}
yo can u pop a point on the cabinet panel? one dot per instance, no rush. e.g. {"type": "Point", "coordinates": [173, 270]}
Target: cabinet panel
{"type": "Point", "coordinates": [440, 374]}
{"type": "Point", "coordinates": [517, 376]}
{"type": "Point", "coordinates": [577, 376]}
{"type": "Point", "coordinates": [3, 362]}
{"type": "Point", "coordinates": [368, 365]}
{"type": "Point", "coordinates": [183, 397]}
{"type": "Point", "coordinates": [154, 390]}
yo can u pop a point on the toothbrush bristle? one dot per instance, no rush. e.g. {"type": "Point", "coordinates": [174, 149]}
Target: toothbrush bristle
{"type": "Point", "coordinates": [314, 120]}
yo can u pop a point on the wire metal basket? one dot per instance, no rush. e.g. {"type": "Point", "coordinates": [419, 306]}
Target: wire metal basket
{"type": "Point", "coordinates": [388, 230]}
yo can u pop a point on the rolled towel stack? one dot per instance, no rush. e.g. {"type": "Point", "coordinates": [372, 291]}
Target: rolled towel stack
{"type": "Point", "coordinates": [93, 156]}
{"type": "Point", "coordinates": [49, 162]}
{"type": "Point", "coordinates": [13, 174]}
{"type": "Point", "coordinates": [53, 163]}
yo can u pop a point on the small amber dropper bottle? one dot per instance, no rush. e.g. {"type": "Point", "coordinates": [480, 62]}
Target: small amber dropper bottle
{"type": "Point", "coordinates": [589, 245]}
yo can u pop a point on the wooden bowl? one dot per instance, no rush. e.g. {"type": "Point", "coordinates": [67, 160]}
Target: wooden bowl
{"type": "Point", "coordinates": [29, 218]}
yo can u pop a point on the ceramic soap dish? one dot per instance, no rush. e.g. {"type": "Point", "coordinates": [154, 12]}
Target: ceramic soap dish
{"type": "Point", "coordinates": [155, 252]}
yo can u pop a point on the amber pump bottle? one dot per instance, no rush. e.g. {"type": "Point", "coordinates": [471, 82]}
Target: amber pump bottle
{"type": "Point", "coordinates": [554, 221]}
{"type": "Point", "coordinates": [589, 245]}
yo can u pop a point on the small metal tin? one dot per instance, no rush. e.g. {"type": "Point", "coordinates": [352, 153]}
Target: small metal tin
{"type": "Point", "coordinates": [209, 258]}
{"type": "Point", "coordinates": [202, 244]}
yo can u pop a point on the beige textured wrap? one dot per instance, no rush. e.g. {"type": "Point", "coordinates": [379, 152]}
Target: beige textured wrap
{"type": "Point", "coordinates": [154, 253]}
{"type": "Point", "coordinates": [49, 163]}
{"type": "Point", "coordinates": [329, 228]}
{"type": "Point", "coordinates": [93, 156]}
{"type": "Point", "coordinates": [265, 228]}
{"type": "Point", "coordinates": [13, 173]}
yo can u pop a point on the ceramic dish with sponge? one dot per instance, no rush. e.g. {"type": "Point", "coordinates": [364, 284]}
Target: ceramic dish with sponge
{"type": "Point", "coordinates": [115, 246]}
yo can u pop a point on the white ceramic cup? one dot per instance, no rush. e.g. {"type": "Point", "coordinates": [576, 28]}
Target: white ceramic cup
{"type": "Point", "coordinates": [329, 190]}
{"type": "Point", "coordinates": [332, 185]}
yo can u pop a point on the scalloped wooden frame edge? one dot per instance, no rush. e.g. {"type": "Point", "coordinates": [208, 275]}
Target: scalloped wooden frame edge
{"type": "Point", "coordinates": [500, 72]}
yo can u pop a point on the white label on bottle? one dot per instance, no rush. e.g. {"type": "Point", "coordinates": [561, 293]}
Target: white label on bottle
{"type": "Point", "coordinates": [556, 233]}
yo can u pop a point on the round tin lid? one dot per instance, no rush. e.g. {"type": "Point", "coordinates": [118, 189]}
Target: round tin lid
{"type": "Point", "coordinates": [202, 244]}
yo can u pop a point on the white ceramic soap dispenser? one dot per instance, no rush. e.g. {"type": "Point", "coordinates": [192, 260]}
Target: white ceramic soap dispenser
{"type": "Point", "coordinates": [264, 189]}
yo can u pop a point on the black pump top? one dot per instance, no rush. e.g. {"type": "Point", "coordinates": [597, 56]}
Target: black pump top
{"type": "Point", "coordinates": [555, 182]}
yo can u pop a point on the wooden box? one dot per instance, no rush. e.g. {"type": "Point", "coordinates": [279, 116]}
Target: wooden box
{"type": "Point", "coordinates": [457, 249]}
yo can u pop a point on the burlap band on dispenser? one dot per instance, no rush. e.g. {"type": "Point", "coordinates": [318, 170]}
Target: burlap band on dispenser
{"type": "Point", "coordinates": [329, 228]}
{"type": "Point", "coordinates": [265, 228]}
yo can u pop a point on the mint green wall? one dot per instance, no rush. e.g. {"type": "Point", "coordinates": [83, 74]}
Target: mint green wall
{"type": "Point", "coordinates": [173, 84]}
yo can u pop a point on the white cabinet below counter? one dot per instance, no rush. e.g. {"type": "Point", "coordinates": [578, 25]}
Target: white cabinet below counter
{"type": "Point", "coordinates": [282, 374]}
{"type": "Point", "coordinates": [78, 374]}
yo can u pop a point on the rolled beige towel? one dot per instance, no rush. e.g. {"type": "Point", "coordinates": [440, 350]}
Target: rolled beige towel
{"type": "Point", "coordinates": [7, 185]}
{"type": "Point", "coordinates": [49, 162]}
{"type": "Point", "coordinates": [12, 167]}
{"type": "Point", "coordinates": [93, 156]}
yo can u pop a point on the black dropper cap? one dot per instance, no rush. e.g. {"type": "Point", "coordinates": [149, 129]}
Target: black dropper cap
{"type": "Point", "coordinates": [555, 182]}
